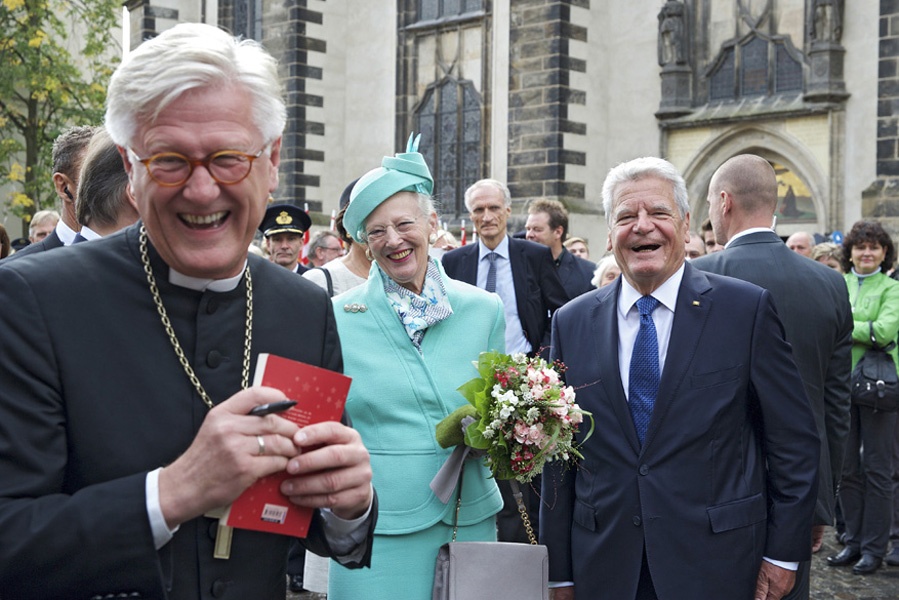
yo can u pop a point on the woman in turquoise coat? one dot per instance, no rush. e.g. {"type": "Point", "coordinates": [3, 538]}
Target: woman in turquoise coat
{"type": "Point", "coordinates": [866, 487]}
{"type": "Point", "coordinates": [409, 337]}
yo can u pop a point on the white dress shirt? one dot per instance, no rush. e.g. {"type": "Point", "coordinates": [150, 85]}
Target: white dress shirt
{"type": "Point", "coordinates": [505, 287]}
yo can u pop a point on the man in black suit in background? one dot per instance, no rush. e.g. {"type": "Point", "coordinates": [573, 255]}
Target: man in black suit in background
{"type": "Point", "coordinates": [812, 303]}
{"type": "Point", "coordinates": [68, 154]}
{"type": "Point", "coordinates": [547, 224]}
{"type": "Point", "coordinates": [525, 277]}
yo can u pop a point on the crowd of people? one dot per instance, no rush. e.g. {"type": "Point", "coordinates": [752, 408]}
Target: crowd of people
{"type": "Point", "coordinates": [716, 363]}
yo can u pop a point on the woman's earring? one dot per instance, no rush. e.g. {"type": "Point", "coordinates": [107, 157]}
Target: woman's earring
{"type": "Point", "coordinates": [432, 239]}
{"type": "Point", "coordinates": [368, 254]}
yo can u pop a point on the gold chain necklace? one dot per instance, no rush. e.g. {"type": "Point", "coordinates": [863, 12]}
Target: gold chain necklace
{"type": "Point", "coordinates": [176, 346]}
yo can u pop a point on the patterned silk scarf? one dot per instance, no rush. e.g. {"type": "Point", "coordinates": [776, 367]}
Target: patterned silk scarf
{"type": "Point", "coordinates": [418, 312]}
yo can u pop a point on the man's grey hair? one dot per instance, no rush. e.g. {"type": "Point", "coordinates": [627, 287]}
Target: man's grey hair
{"type": "Point", "coordinates": [319, 241]}
{"type": "Point", "coordinates": [187, 57]}
{"type": "Point", "coordinates": [639, 168]}
{"type": "Point", "coordinates": [499, 185]}
{"type": "Point", "coordinates": [41, 217]}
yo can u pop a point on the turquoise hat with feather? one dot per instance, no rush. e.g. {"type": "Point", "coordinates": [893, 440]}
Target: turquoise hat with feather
{"type": "Point", "coordinates": [405, 172]}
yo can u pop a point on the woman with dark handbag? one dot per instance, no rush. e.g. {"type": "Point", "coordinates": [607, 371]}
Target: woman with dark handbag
{"type": "Point", "coordinates": [866, 489]}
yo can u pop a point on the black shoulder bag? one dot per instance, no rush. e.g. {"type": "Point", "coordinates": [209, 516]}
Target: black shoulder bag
{"type": "Point", "coordinates": [874, 380]}
{"type": "Point", "coordinates": [327, 279]}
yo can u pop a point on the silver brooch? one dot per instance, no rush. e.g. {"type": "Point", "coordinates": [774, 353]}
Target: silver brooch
{"type": "Point", "coordinates": [354, 308]}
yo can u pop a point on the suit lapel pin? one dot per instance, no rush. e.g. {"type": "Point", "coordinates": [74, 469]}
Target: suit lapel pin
{"type": "Point", "coordinates": [696, 303]}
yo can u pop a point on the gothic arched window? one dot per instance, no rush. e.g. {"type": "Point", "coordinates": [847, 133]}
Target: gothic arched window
{"type": "Point", "coordinates": [449, 119]}
{"type": "Point", "coordinates": [755, 66]}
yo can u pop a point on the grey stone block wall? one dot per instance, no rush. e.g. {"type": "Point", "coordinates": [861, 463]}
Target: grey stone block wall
{"type": "Point", "coordinates": [297, 185]}
{"type": "Point", "coordinates": [881, 198]}
{"type": "Point", "coordinates": [540, 93]}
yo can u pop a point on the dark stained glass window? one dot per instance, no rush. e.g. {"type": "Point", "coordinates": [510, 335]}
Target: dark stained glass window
{"type": "Point", "coordinates": [449, 119]}
{"type": "Point", "coordinates": [754, 71]}
{"type": "Point", "coordinates": [429, 10]}
{"type": "Point", "coordinates": [788, 76]}
{"type": "Point", "coordinates": [758, 66]}
{"type": "Point", "coordinates": [722, 87]}
{"type": "Point", "coordinates": [248, 19]}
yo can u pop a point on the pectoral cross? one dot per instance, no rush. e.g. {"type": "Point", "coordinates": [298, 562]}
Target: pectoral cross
{"type": "Point", "coordinates": [222, 548]}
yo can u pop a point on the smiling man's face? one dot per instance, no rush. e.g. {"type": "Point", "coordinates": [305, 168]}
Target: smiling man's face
{"type": "Point", "coordinates": [202, 228]}
{"type": "Point", "coordinates": [647, 232]}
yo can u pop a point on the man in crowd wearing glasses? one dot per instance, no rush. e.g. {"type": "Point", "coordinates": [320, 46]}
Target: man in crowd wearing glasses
{"type": "Point", "coordinates": [123, 409]}
{"type": "Point", "coordinates": [324, 248]}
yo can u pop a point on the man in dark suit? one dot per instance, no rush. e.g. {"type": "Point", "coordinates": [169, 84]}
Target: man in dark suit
{"type": "Point", "coordinates": [700, 478]}
{"type": "Point", "coordinates": [526, 279]}
{"type": "Point", "coordinates": [812, 302]}
{"type": "Point", "coordinates": [68, 154]}
{"type": "Point", "coordinates": [547, 224]}
{"type": "Point", "coordinates": [124, 404]}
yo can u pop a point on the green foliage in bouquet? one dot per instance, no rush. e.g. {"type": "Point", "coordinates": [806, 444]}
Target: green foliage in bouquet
{"type": "Point", "coordinates": [524, 415]}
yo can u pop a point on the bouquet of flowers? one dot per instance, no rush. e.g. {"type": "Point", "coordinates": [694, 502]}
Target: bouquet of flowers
{"type": "Point", "coordinates": [523, 416]}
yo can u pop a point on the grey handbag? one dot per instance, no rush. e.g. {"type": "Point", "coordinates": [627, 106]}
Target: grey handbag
{"type": "Point", "coordinates": [494, 570]}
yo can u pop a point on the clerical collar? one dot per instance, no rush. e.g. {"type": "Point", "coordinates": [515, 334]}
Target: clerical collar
{"type": "Point", "coordinates": [201, 285]}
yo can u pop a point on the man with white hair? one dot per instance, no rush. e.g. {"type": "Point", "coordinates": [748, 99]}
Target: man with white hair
{"type": "Point", "coordinates": [125, 400]}
{"type": "Point", "coordinates": [802, 243]}
{"type": "Point", "coordinates": [704, 444]}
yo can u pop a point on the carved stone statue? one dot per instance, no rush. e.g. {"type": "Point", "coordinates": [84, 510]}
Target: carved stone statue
{"type": "Point", "coordinates": [825, 21]}
{"type": "Point", "coordinates": [672, 34]}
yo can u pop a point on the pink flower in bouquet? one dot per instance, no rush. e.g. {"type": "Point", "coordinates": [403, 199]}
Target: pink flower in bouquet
{"type": "Point", "coordinates": [524, 415]}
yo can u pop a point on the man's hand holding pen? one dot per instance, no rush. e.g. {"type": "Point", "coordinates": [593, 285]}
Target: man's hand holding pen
{"type": "Point", "coordinates": [243, 439]}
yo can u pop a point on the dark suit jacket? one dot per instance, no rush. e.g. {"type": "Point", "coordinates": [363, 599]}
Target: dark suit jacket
{"type": "Point", "coordinates": [538, 289]}
{"type": "Point", "coordinates": [48, 243]}
{"type": "Point", "coordinates": [575, 273]}
{"type": "Point", "coordinates": [727, 473]}
{"type": "Point", "coordinates": [93, 397]}
{"type": "Point", "coordinates": [813, 304]}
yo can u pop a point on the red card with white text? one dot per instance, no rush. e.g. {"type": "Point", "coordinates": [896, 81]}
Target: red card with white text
{"type": "Point", "coordinates": [320, 396]}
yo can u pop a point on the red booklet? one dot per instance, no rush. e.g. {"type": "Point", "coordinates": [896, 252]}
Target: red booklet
{"type": "Point", "coordinates": [320, 396]}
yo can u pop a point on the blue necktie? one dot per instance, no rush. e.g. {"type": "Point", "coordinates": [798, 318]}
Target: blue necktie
{"type": "Point", "coordinates": [644, 371]}
{"type": "Point", "coordinates": [491, 272]}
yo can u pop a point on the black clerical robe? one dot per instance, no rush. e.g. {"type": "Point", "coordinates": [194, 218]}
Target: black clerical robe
{"type": "Point", "coordinates": [93, 397]}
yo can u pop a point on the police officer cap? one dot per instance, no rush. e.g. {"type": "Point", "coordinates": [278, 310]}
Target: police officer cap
{"type": "Point", "coordinates": [284, 218]}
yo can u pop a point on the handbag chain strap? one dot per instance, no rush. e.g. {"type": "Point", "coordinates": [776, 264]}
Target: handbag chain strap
{"type": "Point", "coordinates": [516, 492]}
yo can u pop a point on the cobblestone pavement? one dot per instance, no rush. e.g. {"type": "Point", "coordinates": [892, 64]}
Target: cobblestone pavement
{"type": "Point", "coordinates": [828, 583]}
{"type": "Point", "coordinates": [838, 583]}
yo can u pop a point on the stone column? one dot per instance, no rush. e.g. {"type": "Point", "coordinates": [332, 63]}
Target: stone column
{"type": "Point", "coordinates": [881, 198]}
{"type": "Point", "coordinates": [540, 92]}
{"type": "Point", "coordinates": [297, 185]}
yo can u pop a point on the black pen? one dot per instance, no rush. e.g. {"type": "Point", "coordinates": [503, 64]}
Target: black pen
{"type": "Point", "coordinates": [274, 407]}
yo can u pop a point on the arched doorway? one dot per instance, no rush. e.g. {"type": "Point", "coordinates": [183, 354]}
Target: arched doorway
{"type": "Point", "coordinates": [802, 188]}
